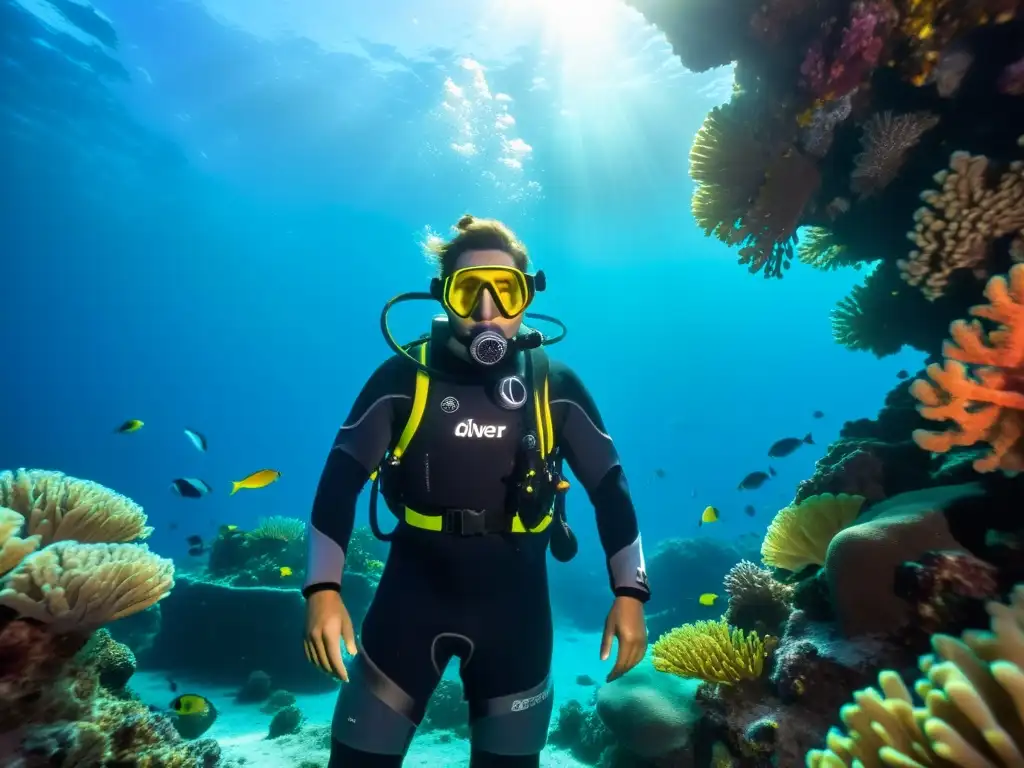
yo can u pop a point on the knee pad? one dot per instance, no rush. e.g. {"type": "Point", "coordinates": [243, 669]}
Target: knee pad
{"type": "Point", "coordinates": [373, 713]}
{"type": "Point", "coordinates": [513, 725]}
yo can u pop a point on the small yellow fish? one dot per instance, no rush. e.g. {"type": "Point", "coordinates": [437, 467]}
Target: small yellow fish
{"type": "Point", "coordinates": [285, 571]}
{"type": "Point", "coordinates": [132, 425]}
{"type": "Point", "coordinates": [260, 479]}
{"type": "Point", "coordinates": [709, 515]}
{"type": "Point", "coordinates": [191, 704]}
{"type": "Point", "coordinates": [708, 598]}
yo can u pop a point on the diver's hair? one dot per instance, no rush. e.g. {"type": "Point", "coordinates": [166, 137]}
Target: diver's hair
{"type": "Point", "coordinates": [474, 234]}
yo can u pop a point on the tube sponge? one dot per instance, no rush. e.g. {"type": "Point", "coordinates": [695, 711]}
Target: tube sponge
{"type": "Point", "coordinates": [800, 533]}
{"type": "Point", "coordinates": [13, 548]}
{"type": "Point", "coordinates": [973, 711]}
{"type": "Point", "coordinates": [57, 507]}
{"type": "Point", "coordinates": [72, 586]}
{"type": "Point", "coordinates": [712, 651]}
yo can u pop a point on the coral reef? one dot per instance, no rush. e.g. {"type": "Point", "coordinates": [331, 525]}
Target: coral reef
{"type": "Point", "coordinates": [255, 558]}
{"type": "Point", "coordinates": [64, 699]}
{"type": "Point", "coordinates": [902, 528]}
{"type": "Point", "coordinates": [198, 612]}
{"type": "Point", "coordinates": [947, 589]}
{"type": "Point", "coordinates": [986, 403]}
{"type": "Point", "coordinates": [582, 732]}
{"type": "Point", "coordinates": [800, 534]}
{"type": "Point", "coordinates": [702, 563]}
{"type": "Point", "coordinates": [652, 715]}
{"type": "Point", "coordinates": [286, 721]}
{"type": "Point", "coordinates": [757, 602]}
{"type": "Point", "coordinates": [972, 692]}
{"type": "Point", "coordinates": [447, 709]}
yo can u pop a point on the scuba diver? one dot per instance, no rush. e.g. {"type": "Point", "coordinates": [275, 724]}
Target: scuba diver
{"type": "Point", "coordinates": [463, 434]}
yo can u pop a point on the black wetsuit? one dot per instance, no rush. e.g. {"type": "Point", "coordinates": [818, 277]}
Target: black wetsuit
{"type": "Point", "coordinates": [483, 598]}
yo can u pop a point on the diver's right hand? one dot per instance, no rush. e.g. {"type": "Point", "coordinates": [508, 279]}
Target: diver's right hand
{"type": "Point", "coordinates": [327, 624]}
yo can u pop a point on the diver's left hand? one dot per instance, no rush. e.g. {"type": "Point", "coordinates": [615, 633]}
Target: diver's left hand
{"type": "Point", "coordinates": [626, 624]}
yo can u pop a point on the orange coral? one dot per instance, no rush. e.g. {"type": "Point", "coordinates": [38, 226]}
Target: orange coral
{"type": "Point", "coordinates": [987, 404]}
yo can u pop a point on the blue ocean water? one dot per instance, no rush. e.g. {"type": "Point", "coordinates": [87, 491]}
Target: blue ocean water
{"type": "Point", "coordinates": [206, 203]}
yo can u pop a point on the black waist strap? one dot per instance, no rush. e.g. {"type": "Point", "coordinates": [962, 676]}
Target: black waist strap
{"type": "Point", "coordinates": [468, 522]}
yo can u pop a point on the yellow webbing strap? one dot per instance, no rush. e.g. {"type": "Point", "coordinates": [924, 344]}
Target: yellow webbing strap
{"type": "Point", "coordinates": [419, 404]}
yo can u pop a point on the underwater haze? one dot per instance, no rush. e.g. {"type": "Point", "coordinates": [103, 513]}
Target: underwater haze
{"type": "Point", "coordinates": [206, 204]}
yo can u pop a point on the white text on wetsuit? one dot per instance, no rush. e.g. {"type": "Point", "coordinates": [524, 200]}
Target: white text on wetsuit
{"type": "Point", "coordinates": [471, 429]}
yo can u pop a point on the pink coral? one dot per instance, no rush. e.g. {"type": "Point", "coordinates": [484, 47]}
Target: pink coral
{"type": "Point", "coordinates": [859, 51]}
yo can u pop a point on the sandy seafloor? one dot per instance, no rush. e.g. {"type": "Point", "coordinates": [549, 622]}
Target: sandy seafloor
{"type": "Point", "coordinates": [241, 729]}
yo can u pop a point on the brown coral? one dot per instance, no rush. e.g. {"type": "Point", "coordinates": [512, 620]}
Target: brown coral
{"type": "Point", "coordinates": [886, 140]}
{"type": "Point", "coordinates": [767, 230]}
{"type": "Point", "coordinates": [57, 507]}
{"type": "Point", "coordinates": [74, 586]}
{"type": "Point", "coordinates": [957, 228]}
{"type": "Point", "coordinates": [986, 404]}
{"type": "Point", "coordinates": [757, 602]}
{"type": "Point", "coordinates": [13, 548]}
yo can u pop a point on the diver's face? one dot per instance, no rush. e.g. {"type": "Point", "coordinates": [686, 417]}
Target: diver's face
{"type": "Point", "coordinates": [485, 310]}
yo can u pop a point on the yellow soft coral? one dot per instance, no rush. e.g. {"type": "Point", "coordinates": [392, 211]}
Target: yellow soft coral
{"type": "Point", "coordinates": [987, 403]}
{"type": "Point", "coordinates": [819, 248]}
{"type": "Point", "coordinates": [973, 706]}
{"type": "Point", "coordinates": [800, 533]}
{"type": "Point", "coordinates": [728, 160]}
{"type": "Point", "coordinates": [712, 651]}
{"type": "Point", "coordinates": [72, 586]}
{"type": "Point", "coordinates": [57, 507]}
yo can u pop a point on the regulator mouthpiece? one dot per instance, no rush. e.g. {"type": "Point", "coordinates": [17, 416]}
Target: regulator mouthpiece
{"type": "Point", "coordinates": [487, 347]}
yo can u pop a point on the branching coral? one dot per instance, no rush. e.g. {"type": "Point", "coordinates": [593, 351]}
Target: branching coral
{"type": "Point", "coordinates": [986, 404]}
{"type": "Point", "coordinates": [57, 507]}
{"type": "Point", "coordinates": [957, 229]}
{"type": "Point", "coordinates": [767, 230]}
{"type": "Point", "coordinates": [819, 248]}
{"type": "Point", "coordinates": [712, 651]}
{"type": "Point", "coordinates": [972, 712]}
{"type": "Point", "coordinates": [757, 602]}
{"type": "Point", "coordinates": [72, 586]}
{"type": "Point", "coordinates": [279, 528]}
{"type": "Point", "coordinates": [800, 533]}
{"type": "Point", "coordinates": [886, 140]}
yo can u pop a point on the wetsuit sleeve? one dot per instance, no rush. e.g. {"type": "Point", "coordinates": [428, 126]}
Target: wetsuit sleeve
{"type": "Point", "coordinates": [358, 448]}
{"type": "Point", "coordinates": [583, 440]}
